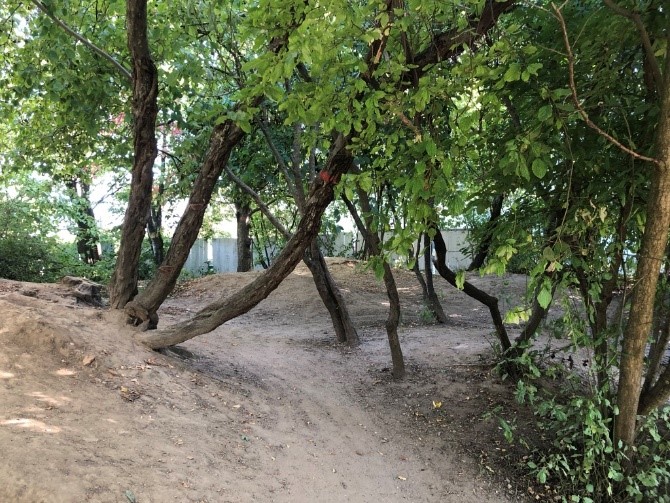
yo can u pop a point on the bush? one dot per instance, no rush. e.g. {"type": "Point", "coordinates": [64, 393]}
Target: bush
{"type": "Point", "coordinates": [579, 461]}
{"type": "Point", "coordinates": [28, 259]}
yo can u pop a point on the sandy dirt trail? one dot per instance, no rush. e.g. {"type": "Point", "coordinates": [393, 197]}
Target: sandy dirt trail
{"type": "Point", "coordinates": [266, 408]}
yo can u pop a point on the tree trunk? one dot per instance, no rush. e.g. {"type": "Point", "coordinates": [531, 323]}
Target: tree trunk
{"type": "Point", "coordinates": [154, 231]}
{"type": "Point", "coordinates": [485, 245]}
{"type": "Point", "coordinates": [650, 260]}
{"type": "Point", "coordinates": [142, 310]}
{"type": "Point", "coordinates": [470, 290]}
{"type": "Point", "coordinates": [229, 307]}
{"type": "Point", "coordinates": [87, 233]}
{"type": "Point", "coordinates": [123, 286]}
{"type": "Point", "coordinates": [225, 136]}
{"type": "Point", "coordinates": [433, 301]}
{"type": "Point", "coordinates": [245, 260]}
{"type": "Point", "coordinates": [374, 243]}
{"type": "Point", "coordinates": [330, 294]}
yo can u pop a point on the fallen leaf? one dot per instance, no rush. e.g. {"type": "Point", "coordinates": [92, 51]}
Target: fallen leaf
{"type": "Point", "coordinates": [88, 359]}
{"type": "Point", "coordinates": [131, 496]}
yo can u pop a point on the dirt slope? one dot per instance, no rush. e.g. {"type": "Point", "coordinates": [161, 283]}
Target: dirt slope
{"type": "Point", "coordinates": [266, 408]}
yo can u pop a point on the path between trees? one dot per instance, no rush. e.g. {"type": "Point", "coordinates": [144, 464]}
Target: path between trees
{"type": "Point", "coordinates": [266, 408]}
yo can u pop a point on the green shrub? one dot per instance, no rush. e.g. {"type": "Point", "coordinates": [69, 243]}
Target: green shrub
{"type": "Point", "coordinates": [579, 460]}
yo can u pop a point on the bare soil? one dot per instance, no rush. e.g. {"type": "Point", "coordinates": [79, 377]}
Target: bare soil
{"type": "Point", "coordinates": [266, 408]}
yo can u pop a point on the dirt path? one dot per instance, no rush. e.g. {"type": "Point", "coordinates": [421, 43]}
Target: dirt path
{"type": "Point", "coordinates": [266, 408]}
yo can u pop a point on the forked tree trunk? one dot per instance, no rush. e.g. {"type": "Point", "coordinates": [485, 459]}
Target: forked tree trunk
{"type": "Point", "coordinates": [245, 260]}
{"type": "Point", "coordinates": [650, 260]}
{"type": "Point", "coordinates": [123, 285]}
{"type": "Point", "coordinates": [142, 309]}
{"type": "Point", "coordinates": [229, 307]}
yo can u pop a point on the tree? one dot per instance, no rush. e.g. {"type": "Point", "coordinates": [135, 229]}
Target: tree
{"type": "Point", "coordinates": [123, 286]}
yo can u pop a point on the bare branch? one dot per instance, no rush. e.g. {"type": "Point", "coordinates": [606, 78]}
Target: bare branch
{"type": "Point", "coordinates": [283, 166]}
{"type": "Point", "coordinates": [118, 66]}
{"type": "Point", "coordinates": [259, 202]}
{"type": "Point", "coordinates": [575, 98]}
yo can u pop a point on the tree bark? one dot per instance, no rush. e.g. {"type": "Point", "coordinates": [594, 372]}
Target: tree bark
{"type": "Point", "coordinates": [154, 231]}
{"type": "Point", "coordinates": [470, 290]}
{"type": "Point", "coordinates": [485, 244]}
{"type": "Point", "coordinates": [393, 319]}
{"type": "Point", "coordinates": [651, 257]}
{"type": "Point", "coordinates": [433, 301]}
{"type": "Point", "coordinates": [142, 310]}
{"type": "Point", "coordinates": [245, 260]}
{"type": "Point", "coordinates": [330, 294]}
{"type": "Point", "coordinates": [227, 308]}
{"type": "Point", "coordinates": [123, 286]}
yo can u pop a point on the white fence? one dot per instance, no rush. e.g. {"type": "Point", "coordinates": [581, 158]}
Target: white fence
{"type": "Point", "coordinates": [220, 254]}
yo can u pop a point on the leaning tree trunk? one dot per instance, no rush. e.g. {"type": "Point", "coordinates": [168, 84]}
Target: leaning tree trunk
{"type": "Point", "coordinates": [650, 260]}
{"type": "Point", "coordinates": [244, 254]}
{"type": "Point", "coordinates": [123, 286]}
{"type": "Point", "coordinates": [470, 290]}
{"type": "Point", "coordinates": [229, 307]}
{"type": "Point", "coordinates": [330, 294]}
{"type": "Point", "coordinates": [433, 301]}
{"type": "Point", "coordinates": [142, 310]}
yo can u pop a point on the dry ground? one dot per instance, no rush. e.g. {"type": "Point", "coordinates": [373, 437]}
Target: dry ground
{"type": "Point", "coordinates": [266, 408]}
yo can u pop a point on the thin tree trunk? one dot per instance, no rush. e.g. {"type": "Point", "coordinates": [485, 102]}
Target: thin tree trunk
{"type": "Point", "coordinates": [123, 285]}
{"type": "Point", "coordinates": [330, 294]}
{"type": "Point", "coordinates": [651, 256]}
{"type": "Point", "coordinates": [87, 235]}
{"type": "Point", "coordinates": [154, 231]}
{"type": "Point", "coordinates": [470, 290]}
{"type": "Point", "coordinates": [244, 255]}
{"type": "Point", "coordinates": [393, 319]}
{"type": "Point", "coordinates": [658, 349]}
{"type": "Point", "coordinates": [485, 245]}
{"type": "Point", "coordinates": [433, 301]}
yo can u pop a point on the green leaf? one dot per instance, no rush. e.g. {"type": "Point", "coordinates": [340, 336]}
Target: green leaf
{"type": "Point", "coordinates": [460, 279]}
{"type": "Point", "coordinates": [513, 73]}
{"type": "Point", "coordinates": [544, 113]}
{"type": "Point", "coordinates": [539, 168]}
{"type": "Point", "coordinates": [544, 298]}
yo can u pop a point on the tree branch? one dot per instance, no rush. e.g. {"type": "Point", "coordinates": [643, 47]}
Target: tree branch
{"type": "Point", "coordinates": [118, 66]}
{"type": "Point", "coordinates": [259, 202]}
{"type": "Point", "coordinates": [646, 41]}
{"type": "Point", "coordinates": [575, 98]}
